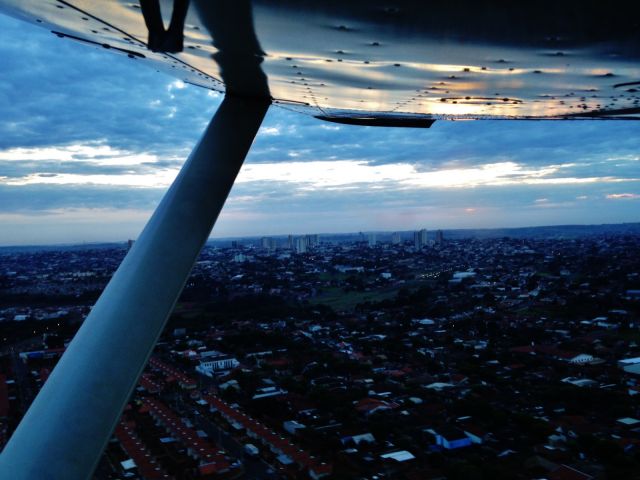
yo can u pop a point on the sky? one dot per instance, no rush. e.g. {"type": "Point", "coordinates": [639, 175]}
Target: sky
{"type": "Point", "coordinates": [90, 141]}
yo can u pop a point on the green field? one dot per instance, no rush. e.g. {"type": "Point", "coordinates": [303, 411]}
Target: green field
{"type": "Point", "coordinates": [340, 300]}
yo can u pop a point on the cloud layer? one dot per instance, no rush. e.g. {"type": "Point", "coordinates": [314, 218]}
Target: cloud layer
{"type": "Point", "coordinates": [89, 141]}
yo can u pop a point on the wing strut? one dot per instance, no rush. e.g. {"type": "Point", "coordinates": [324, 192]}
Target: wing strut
{"type": "Point", "coordinates": [63, 434]}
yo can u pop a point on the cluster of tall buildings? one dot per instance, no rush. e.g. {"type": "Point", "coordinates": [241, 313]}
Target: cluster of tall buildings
{"type": "Point", "coordinates": [268, 243]}
{"type": "Point", "coordinates": [420, 239]}
{"type": "Point", "coordinates": [303, 243]}
{"type": "Point", "coordinates": [299, 244]}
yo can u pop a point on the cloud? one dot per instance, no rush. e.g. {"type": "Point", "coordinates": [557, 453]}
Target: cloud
{"type": "Point", "coordinates": [623, 196]}
{"type": "Point", "coordinates": [95, 152]}
{"type": "Point", "coordinates": [90, 134]}
{"type": "Point", "coordinates": [154, 180]}
{"type": "Point", "coordinates": [269, 131]}
{"type": "Point", "coordinates": [342, 173]}
{"type": "Point", "coordinates": [176, 85]}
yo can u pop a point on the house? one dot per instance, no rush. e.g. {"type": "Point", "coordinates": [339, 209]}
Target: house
{"type": "Point", "coordinates": [292, 426]}
{"type": "Point", "coordinates": [369, 406]}
{"type": "Point", "coordinates": [581, 359]}
{"type": "Point", "coordinates": [357, 439]}
{"type": "Point", "coordinates": [319, 470]}
{"type": "Point", "coordinates": [628, 421]}
{"type": "Point", "coordinates": [424, 321]}
{"type": "Point", "coordinates": [265, 392]}
{"type": "Point", "coordinates": [399, 456]}
{"type": "Point", "coordinates": [450, 438]}
{"type": "Point", "coordinates": [439, 386]}
{"type": "Point", "coordinates": [475, 433]}
{"type": "Point", "coordinates": [224, 362]}
{"type": "Point", "coordinates": [580, 382]}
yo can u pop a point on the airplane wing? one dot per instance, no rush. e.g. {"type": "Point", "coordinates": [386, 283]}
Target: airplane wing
{"type": "Point", "coordinates": [401, 63]}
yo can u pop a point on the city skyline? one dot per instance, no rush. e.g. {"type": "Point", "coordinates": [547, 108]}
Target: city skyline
{"type": "Point", "coordinates": [89, 142]}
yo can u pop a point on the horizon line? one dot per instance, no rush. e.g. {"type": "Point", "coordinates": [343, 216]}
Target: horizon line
{"type": "Point", "coordinates": [285, 235]}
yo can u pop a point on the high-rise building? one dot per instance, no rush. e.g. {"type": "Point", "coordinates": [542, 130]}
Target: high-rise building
{"type": "Point", "coordinates": [395, 238]}
{"type": "Point", "coordinates": [371, 239]}
{"type": "Point", "coordinates": [290, 242]}
{"type": "Point", "coordinates": [301, 245]}
{"type": "Point", "coordinates": [420, 239]}
{"type": "Point", "coordinates": [313, 240]}
{"type": "Point", "coordinates": [439, 237]}
{"type": "Point", "coordinates": [268, 243]}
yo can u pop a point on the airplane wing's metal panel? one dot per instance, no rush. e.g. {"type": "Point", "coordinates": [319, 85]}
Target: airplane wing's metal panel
{"type": "Point", "coordinates": [534, 60]}
{"type": "Point", "coordinates": [115, 26]}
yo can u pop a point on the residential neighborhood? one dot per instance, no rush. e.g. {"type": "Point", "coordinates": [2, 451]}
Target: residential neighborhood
{"type": "Point", "coordinates": [399, 355]}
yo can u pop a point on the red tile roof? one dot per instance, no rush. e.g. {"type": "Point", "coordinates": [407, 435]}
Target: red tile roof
{"type": "Point", "coordinates": [370, 405]}
{"type": "Point", "coordinates": [150, 384]}
{"type": "Point", "coordinates": [172, 373]}
{"type": "Point", "coordinates": [269, 437]}
{"type": "Point", "coordinates": [147, 464]}
{"type": "Point", "coordinates": [199, 448]}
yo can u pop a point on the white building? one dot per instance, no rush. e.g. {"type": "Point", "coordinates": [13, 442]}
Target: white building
{"type": "Point", "coordinates": [217, 364]}
{"type": "Point", "coordinates": [581, 359]}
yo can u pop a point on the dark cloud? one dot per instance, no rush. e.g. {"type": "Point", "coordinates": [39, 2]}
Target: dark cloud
{"type": "Point", "coordinates": [43, 198]}
{"type": "Point", "coordinates": [55, 91]}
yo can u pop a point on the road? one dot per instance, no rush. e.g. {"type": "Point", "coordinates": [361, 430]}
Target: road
{"type": "Point", "coordinates": [255, 468]}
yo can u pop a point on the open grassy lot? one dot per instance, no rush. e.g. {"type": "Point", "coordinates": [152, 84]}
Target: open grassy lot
{"type": "Point", "coordinates": [340, 300]}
